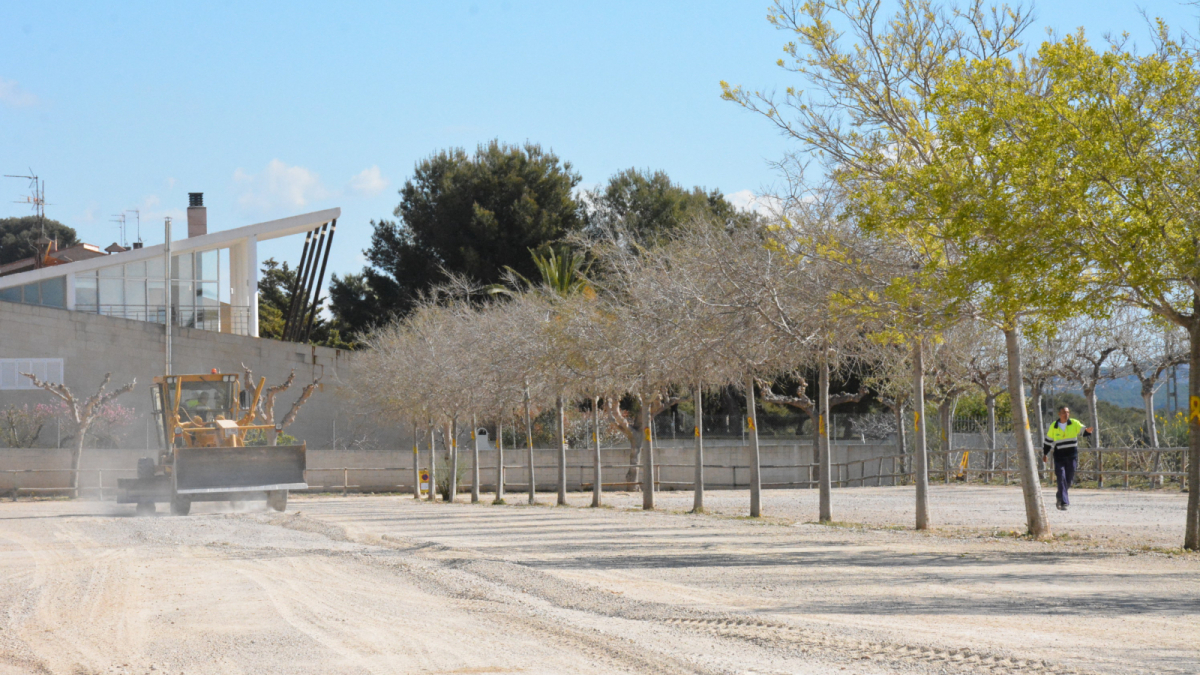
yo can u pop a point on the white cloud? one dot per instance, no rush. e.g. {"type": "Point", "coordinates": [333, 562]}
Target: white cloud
{"type": "Point", "coordinates": [278, 187]}
{"type": "Point", "coordinates": [746, 200]}
{"type": "Point", "coordinates": [13, 96]}
{"type": "Point", "coordinates": [152, 214]}
{"type": "Point", "coordinates": [369, 182]}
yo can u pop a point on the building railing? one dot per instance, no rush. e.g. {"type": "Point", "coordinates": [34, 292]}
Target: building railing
{"type": "Point", "coordinates": [223, 319]}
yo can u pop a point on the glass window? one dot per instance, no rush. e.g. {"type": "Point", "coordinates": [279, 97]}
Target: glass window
{"type": "Point", "coordinates": [182, 294]}
{"type": "Point", "coordinates": [85, 290]}
{"type": "Point", "coordinates": [206, 266]}
{"type": "Point", "coordinates": [112, 291]}
{"type": "Point", "coordinates": [135, 292]}
{"type": "Point", "coordinates": [10, 294]}
{"type": "Point", "coordinates": [136, 270]}
{"type": "Point", "coordinates": [181, 267]}
{"type": "Point", "coordinates": [31, 295]}
{"type": "Point", "coordinates": [154, 268]}
{"type": "Point", "coordinates": [112, 271]}
{"type": "Point", "coordinates": [207, 294]}
{"type": "Point", "coordinates": [54, 292]}
{"type": "Point", "coordinates": [154, 292]}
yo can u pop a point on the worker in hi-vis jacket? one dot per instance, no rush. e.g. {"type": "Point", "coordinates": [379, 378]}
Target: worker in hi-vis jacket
{"type": "Point", "coordinates": [1063, 438]}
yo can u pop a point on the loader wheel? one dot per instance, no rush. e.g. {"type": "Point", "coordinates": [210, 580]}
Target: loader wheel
{"type": "Point", "coordinates": [145, 508]}
{"type": "Point", "coordinates": [277, 499]}
{"type": "Point", "coordinates": [181, 506]}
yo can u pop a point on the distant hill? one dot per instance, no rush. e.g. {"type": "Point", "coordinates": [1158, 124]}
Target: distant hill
{"type": "Point", "coordinates": [1127, 392]}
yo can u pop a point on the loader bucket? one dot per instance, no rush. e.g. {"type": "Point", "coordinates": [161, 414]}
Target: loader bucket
{"type": "Point", "coordinates": [247, 469]}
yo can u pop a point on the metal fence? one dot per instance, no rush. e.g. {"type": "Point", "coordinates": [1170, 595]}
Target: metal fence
{"type": "Point", "coordinates": [1102, 467]}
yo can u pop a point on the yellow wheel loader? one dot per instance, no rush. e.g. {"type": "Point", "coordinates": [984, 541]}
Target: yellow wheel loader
{"type": "Point", "coordinates": [202, 423]}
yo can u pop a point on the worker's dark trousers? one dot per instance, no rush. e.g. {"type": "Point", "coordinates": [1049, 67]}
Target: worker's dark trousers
{"type": "Point", "coordinates": [1064, 469]}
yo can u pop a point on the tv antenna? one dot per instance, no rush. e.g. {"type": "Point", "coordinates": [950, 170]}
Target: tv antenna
{"type": "Point", "coordinates": [37, 198]}
{"type": "Point", "coordinates": [119, 219]}
{"type": "Point", "coordinates": [137, 214]}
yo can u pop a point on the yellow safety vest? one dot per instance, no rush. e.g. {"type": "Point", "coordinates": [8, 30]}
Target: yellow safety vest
{"type": "Point", "coordinates": [1063, 440]}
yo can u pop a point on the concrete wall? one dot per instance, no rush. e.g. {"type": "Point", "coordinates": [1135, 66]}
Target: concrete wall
{"type": "Point", "coordinates": [92, 345]}
{"type": "Point", "coordinates": [784, 465]}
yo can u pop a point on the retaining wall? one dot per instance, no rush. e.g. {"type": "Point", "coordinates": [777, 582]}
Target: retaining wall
{"type": "Point", "coordinates": [391, 470]}
{"type": "Point", "coordinates": [92, 345]}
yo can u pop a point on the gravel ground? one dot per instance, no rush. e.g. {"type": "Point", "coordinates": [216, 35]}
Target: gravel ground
{"type": "Point", "coordinates": [1108, 518]}
{"type": "Point", "coordinates": [381, 584]}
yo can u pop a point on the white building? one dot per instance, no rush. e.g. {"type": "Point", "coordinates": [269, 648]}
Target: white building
{"type": "Point", "coordinates": [77, 320]}
{"type": "Point", "coordinates": [213, 280]}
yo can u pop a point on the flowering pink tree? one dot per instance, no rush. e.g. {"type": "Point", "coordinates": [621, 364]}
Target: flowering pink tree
{"type": "Point", "coordinates": [20, 427]}
{"type": "Point", "coordinates": [83, 413]}
{"type": "Point", "coordinates": [110, 419]}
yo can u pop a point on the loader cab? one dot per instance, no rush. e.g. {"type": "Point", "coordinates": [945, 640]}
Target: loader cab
{"type": "Point", "coordinates": [194, 398]}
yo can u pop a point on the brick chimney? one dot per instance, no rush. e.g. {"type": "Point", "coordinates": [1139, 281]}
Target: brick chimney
{"type": "Point", "coordinates": [197, 215]}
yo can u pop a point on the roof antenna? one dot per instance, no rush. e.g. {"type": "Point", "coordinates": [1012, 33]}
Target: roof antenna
{"type": "Point", "coordinates": [137, 214]}
{"type": "Point", "coordinates": [37, 198]}
{"type": "Point", "coordinates": [119, 219]}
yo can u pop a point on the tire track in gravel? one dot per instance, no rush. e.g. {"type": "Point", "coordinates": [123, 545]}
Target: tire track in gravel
{"type": "Point", "coordinates": [71, 580]}
{"type": "Point", "coordinates": [500, 606]}
{"type": "Point", "coordinates": [513, 583]}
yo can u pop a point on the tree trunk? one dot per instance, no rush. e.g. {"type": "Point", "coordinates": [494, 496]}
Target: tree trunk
{"type": "Point", "coordinates": [1191, 539]}
{"type": "Point", "coordinates": [432, 463]}
{"type": "Point", "coordinates": [562, 450]}
{"type": "Point", "coordinates": [499, 464]}
{"type": "Point", "coordinates": [1031, 486]}
{"type": "Point", "coordinates": [647, 456]}
{"type": "Point", "coordinates": [1152, 436]}
{"type": "Point", "coordinates": [698, 479]}
{"type": "Point", "coordinates": [946, 413]}
{"type": "Point", "coordinates": [755, 458]}
{"type": "Point", "coordinates": [632, 472]}
{"type": "Point", "coordinates": [529, 443]}
{"type": "Point", "coordinates": [635, 448]}
{"type": "Point", "coordinates": [901, 441]}
{"type": "Point", "coordinates": [77, 459]}
{"type": "Point", "coordinates": [990, 401]}
{"type": "Point", "coordinates": [1090, 393]}
{"type": "Point", "coordinates": [452, 448]}
{"type": "Point", "coordinates": [1035, 398]}
{"type": "Point", "coordinates": [597, 478]}
{"type": "Point", "coordinates": [416, 463]}
{"type": "Point", "coordinates": [826, 483]}
{"type": "Point", "coordinates": [474, 461]}
{"type": "Point", "coordinates": [920, 450]}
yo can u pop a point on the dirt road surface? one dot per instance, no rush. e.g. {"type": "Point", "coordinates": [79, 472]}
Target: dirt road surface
{"type": "Point", "coordinates": [380, 584]}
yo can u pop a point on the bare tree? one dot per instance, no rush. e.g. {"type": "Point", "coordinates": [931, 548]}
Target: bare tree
{"type": "Point", "coordinates": [890, 377]}
{"type": "Point", "coordinates": [987, 371]}
{"type": "Point", "coordinates": [1151, 349]}
{"type": "Point", "coordinates": [83, 413]}
{"type": "Point", "coordinates": [645, 360]}
{"type": "Point", "coordinates": [1042, 365]}
{"type": "Point", "coordinates": [266, 405]}
{"type": "Point", "coordinates": [1092, 359]}
{"type": "Point", "coordinates": [803, 403]}
{"type": "Point", "coordinates": [949, 380]}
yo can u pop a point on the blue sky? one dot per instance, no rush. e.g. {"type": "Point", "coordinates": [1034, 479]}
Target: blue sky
{"type": "Point", "coordinates": [273, 109]}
